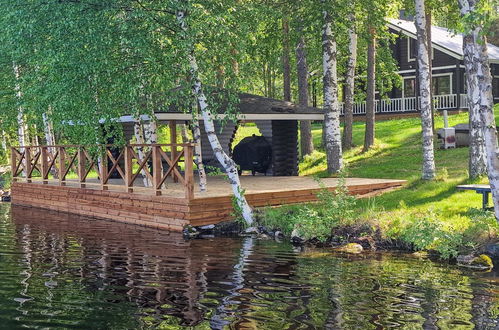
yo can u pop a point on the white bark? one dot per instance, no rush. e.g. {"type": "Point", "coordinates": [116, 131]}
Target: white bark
{"type": "Point", "coordinates": [423, 58]}
{"type": "Point", "coordinates": [477, 153]}
{"type": "Point", "coordinates": [4, 140]}
{"type": "Point", "coordinates": [228, 164]}
{"type": "Point", "coordinates": [350, 85]}
{"type": "Point", "coordinates": [21, 128]}
{"type": "Point", "coordinates": [139, 139]}
{"type": "Point", "coordinates": [484, 94]}
{"type": "Point", "coordinates": [331, 104]}
{"type": "Point", "coordinates": [198, 155]}
{"type": "Point", "coordinates": [50, 140]}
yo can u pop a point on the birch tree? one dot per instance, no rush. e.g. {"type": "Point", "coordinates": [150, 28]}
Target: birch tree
{"type": "Point", "coordinates": [350, 84]}
{"type": "Point", "coordinates": [482, 93]}
{"type": "Point", "coordinates": [477, 162]}
{"type": "Point", "coordinates": [423, 59]}
{"type": "Point", "coordinates": [371, 90]}
{"type": "Point", "coordinates": [331, 104]}
{"type": "Point", "coordinates": [306, 142]}
{"type": "Point", "coordinates": [197, 89]}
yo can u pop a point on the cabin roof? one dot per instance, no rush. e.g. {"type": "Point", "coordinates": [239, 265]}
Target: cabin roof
{"type": "Point", "coordinates": [250, 107]}
{"type": "Point", "coordinates": [442, 39]}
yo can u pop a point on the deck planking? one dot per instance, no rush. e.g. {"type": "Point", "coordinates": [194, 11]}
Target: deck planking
{"type": "Point", "coordinates": [171, 210]}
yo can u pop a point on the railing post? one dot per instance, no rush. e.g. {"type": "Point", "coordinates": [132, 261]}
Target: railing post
{"type": "Point", "coordinates": [103, 169]}
{"type": "Point", "coordinates": [128, 169]}
{"type": "Point", "coordinates": [27, 157]}
{"type": "Point", "coordinates": [44, 166]}
{"type": "Point", "coordinates": [62, 166]}
{"type": "Point", "coordinates": [81, 166]}
{"type": "Point", "coordinates": [157, 173]}
{"type": "Point", "coordinates": [13, 163]}
{"type": "Point", "coordinates": [173, 141]}
{"type": "Point", "coordinates": [189, 173]}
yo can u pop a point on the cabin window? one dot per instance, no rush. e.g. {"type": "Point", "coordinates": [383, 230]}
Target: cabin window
{"type": "Point", "coordinates": [409, 87]}
{"type": "Point", "coordinates": [495, 87]}
{"type": "Point", "coordinates": [442, 85]}
{"type": "Point", "coordinates": [412, 50]}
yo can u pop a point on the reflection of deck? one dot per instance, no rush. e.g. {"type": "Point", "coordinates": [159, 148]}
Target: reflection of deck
{"type": "Point", "coordinates": [172, 210]}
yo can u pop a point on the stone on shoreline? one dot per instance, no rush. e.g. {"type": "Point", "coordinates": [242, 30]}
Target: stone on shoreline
{"type": "Point", "coordinates": [353, 248]}
{"type": "Point", "coordinates": [481, 262]}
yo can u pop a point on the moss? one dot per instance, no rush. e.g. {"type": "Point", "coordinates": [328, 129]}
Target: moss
{"type": "Point", "coordinates": [482, 260]}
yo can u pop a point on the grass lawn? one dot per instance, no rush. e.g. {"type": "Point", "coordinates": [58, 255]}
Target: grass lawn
{"type": "Point", "coordinates": [397, 155]}
{"type": "Point", "coordinates": [427, 215]}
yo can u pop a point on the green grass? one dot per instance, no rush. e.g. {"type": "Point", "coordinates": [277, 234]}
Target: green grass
{"type": "Point", "coordinates": [427, 215]}
{"type": "Point", "coordinates": [397, 155]}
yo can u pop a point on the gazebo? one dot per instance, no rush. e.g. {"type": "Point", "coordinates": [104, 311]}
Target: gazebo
{"type": "Point", "coordinates": [276, 120]}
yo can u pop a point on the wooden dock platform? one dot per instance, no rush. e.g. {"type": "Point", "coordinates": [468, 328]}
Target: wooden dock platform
{"type": "Point", "coordinates": [171, 203]}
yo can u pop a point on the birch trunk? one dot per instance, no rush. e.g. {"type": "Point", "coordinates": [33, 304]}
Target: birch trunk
{"type": "Point", "coordinates": [371, 91]}
{"type": "Point", "coordinates": [423, 58]}
{"type": "Point", "coordinates": [331, 104]}
{"type": "Point", "coordinates": [50, 140]}
{"type": "Point", "coordinates": [139, 139]}
{"type": "Point", "coordinates": [198, 155]}
{"type": "Point", "coordinates": [286, 69]}
{"type": "Point", "coordinates": [483, 95]}
{"type": "Point", "coordinates": [350, 85]}
{"type": "Point", "coordinates": [228, 164]}
{"type": "Point", "coordinates": [4, 140]}
{"type": "Point", "coordinates": [21, 128]}
{"type": "Point", "coordinates": [477, 155]}
{"type": "Point", "coordinates": [306, 143]}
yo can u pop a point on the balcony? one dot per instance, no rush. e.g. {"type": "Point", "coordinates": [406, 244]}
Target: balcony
{"type": "Point", "coordinates": [408, 104]}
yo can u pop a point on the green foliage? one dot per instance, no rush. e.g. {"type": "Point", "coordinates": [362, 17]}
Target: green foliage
{"type": "Point", "coordinates": [315, 220]}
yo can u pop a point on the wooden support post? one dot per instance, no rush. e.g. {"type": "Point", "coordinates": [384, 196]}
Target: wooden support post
{"type": "Point", "coordinates": [103, 169]}
{"type": "Point", "coordinates": [173, 141]}
{"type": "Point", "coordinates": [157, 173]}
{"type": "Point", "coordinates": [189, 172]}
{"type": "Point", "coordinates": [128, 169]}
{"type": "Point", "coordinates": [81, 166]}
{"type": "Point", "coordinates": [27, 157]}
{"type": "Point", "coordinates": [44, 166]}
{"type": "Point", "coordinates": [13, 163]}
{"type": "Point", "coordinates": [62, 166]}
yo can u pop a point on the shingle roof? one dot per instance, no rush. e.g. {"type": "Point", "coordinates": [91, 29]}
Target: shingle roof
{"type": "Point", "coordinates": [443, 39]}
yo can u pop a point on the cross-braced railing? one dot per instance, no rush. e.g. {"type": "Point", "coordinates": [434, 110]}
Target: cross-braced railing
{"type": "Point", "coordinates": [107, 165]}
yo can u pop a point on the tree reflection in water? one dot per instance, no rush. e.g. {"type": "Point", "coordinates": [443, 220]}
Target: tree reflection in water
{"type": "Point", "coordinates": [61, 270]}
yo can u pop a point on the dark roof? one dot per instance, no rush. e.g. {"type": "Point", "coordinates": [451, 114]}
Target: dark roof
{"type": "Point", "coordinates": [248, 104]}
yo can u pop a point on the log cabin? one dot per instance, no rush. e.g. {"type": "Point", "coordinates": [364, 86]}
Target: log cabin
{"type": "Point", "coordinates": [449, 83]}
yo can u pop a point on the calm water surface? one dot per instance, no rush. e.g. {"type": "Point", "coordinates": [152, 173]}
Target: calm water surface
{"type": "Point", "coordinates": [64, 271]}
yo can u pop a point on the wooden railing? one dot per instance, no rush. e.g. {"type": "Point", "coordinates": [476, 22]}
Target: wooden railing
{"type": "Point", "coordinates": [105, 163]}
{"type": "Point", "coordinates": [408, 104]}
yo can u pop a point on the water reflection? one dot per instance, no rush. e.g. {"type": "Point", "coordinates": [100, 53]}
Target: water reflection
{"type": "Point", "coordinates": [61, 270]}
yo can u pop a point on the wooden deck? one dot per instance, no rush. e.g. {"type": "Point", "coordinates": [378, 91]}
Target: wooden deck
{"type": "Point", "coordinates": [172, 210]}
{"type": "Point", "coordinates": [42, 178]}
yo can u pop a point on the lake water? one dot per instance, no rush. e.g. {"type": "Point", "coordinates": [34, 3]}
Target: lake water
{"type": "Point", "coordinates": [65, 271]}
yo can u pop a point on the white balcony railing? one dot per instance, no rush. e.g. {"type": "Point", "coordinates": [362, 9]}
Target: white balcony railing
{"type": "Point", "coordinates": [408, 104]}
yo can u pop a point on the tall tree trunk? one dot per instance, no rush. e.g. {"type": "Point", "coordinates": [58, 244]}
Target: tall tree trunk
{"type": "Point", "coordinates": [49, 139]}
{"type": "Point", "coordinates": [350, 85]}
{"type": "Point", "coordinates": [477, 155]}
{"type": "Point", "coordinates": [228, 164]}
{"type": "Point", "coordinates": [306, 142]}
{"type": "Point", "coordinates": [331, 104]}
{"type": "Point", "coordinates": [21, 128]}
{"type": "Point", "coordinates": [371, 90]}
{"type": "Point", "coordinates": [198, 156]}
{"type": "Point", "coordinates": [286, 69]}
{"type": "Point", "coordinates": [483, 96]}
{"type": "Point", "coordinates": [4, 140]}
{"type": "Point", "coordinates": [423, 58]}
{"type": "Point", "coordinates": [139, 139]}
{"type": "Point", "coordinates": [430, 64]}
